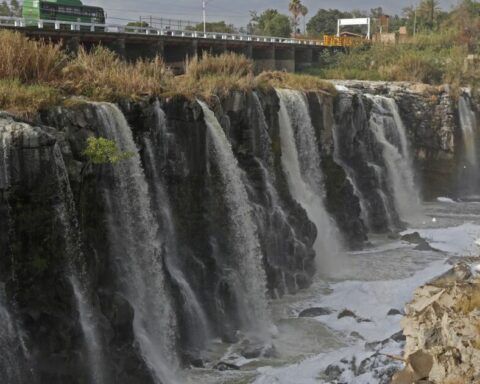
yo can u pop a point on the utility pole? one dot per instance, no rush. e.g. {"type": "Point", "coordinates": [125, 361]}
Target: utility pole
{"type": "Point", "coordinates": [415, 22]}
{"type": "Point", "coordinates": [204, 5]}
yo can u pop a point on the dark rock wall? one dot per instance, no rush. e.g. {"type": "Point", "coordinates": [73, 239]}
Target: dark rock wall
{"type": "Point", "coordinates": [33, 256]}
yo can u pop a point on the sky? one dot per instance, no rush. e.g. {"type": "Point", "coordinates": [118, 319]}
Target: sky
{"type": "Point", "coordinates": [234, 11]}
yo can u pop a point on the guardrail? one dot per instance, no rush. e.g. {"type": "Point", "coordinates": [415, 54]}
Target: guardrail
{"type": "Point", "coordinates": [116, 28]}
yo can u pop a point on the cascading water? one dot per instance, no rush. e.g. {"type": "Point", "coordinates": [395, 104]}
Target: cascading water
{"type": "Point", "coordinates": [248, 275]}
{"type": "Point", "coordinates": [12, 349]}
{"type": "Point", "coordinates": [88, 321]}
{"type": "Point", "coordinates": [469, 182]}
{"type": "Point", "coordinates": [10, 367]}
{"type": "Point", "coordinates": [155, 155]}
{"type": "Point", "coordinates": [275, 229]}
{"type": "Point", "coordinates": [301, 163]}
{"type": "Point", "coordinates": [136, 250]}
{"type": "Point", "coordinates": [390, 133]}
{"type": "Point", "coordinates": [66, 212]}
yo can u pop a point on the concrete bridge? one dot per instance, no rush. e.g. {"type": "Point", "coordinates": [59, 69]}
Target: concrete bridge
{"type": "Point", "coordinates": [268, 53]}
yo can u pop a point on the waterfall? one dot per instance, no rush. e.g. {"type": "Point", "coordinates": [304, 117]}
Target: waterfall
{"type": "Point", "coordinates": [10, 346]}
{"type": "Point", "coordinates": [13, 353]}
{"type": "Point", "coordinates": [387, 126]}
{"type": "Point", "coordinates": [247, 275]}
{"type": "Point", "coordinates": [5, 141]}
{"type": "Point", "coordinates": [88, 322]}
{"type": "Point", "coordinates": [135, 248]}
{"type": "Point", "coordinates": [155, 158]}
{"type": "Point", "coordinates": [301, 163]}
{"type": "Point", "coordinates": [78, 277]}
{"type": "Point", "coordinates": [468, 124]}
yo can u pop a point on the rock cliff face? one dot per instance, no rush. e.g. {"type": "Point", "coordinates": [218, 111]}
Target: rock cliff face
{"type": "Point", "coordinates": [433, 122]}
{"type": "Point", "coordinates": [121, 273]}
{"type": "Point", "coordinates": [442, 327]}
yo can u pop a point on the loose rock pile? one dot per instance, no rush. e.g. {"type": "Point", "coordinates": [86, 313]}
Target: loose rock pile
{"type": "Point", "coordinates": [442, 328]}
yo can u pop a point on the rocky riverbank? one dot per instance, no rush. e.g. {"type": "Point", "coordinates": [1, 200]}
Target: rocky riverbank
{"type": "Point", "coordinates": [442, 329]}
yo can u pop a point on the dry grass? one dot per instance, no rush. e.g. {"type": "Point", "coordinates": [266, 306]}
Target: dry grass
{"type": "Point", "coordinates": [217, 75]}
{"type": "Point", "coordinates": [29, 60]}
{"type": "Point", "coordinates": [102, 75]}
{"type": "Point", "coordinates": [226, 64]}
{"type": "Point", "coordinates": [213, 75]}
{"type": "Point", "coordinates": [25, 100]}
{"type": "Point", "coordinates": [36, 74]}
{"type": "Point", "coordinates": [294, 81]}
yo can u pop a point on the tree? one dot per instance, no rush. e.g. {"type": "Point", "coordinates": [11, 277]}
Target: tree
{"type": "Point", "coordinates": [304, 12]}
{"type": "Point", "coordinates": [141, 24]}
{"type": "Point", "coordinates": [295, 8]}
{"type": "Point", "coordinates": [428, 11]}
{"type": "Point", "coordinates": [325, 22]}
{"type": "Point", "coordinates": [375, 13]}
{"type": "Point", "coordinates": [15, 8]}
{"type": "Point", "coordinates": [270, 23]}
{"type": "Point", "coordinates": [4, 9]}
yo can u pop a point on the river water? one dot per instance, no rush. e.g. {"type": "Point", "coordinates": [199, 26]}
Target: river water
{"type": "Point", "coordinates": [378, 280]}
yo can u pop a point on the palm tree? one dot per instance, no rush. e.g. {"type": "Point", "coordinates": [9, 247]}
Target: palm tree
{"type": "Point", "coordinates": [304, 12]}
{"type": "Point", "coordinates": [429, 10]}
{"type": "Point", "coordinates": [295, 8]}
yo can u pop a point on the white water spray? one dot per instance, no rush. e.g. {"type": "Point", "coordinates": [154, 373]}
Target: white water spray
{"type": "Point", "coordinates": [135, 247]}
{"type": "Point", "coordinates": [301, 163]}
{"type": "Point", "coordinates": [251, 280]}
{"type": "Point", "coordinates": [389, 131]}
{"type": "Point", "coordinates": [200, 330]}
{"type": "Point", "coordinates": [468, 124]}
{"type": "Point", "coordinates": [66, 213]}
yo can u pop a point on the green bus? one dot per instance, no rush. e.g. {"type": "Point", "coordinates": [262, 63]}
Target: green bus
{"type": "Point", "coordinates": [62, 10]}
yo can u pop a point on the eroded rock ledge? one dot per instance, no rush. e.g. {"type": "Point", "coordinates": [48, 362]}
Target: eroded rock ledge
{"type": "Point", "coordinates": [442, 328]}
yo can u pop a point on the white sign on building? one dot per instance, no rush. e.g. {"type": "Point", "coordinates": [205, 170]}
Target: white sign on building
{"type": "Point", "coordinates": [357, 21]}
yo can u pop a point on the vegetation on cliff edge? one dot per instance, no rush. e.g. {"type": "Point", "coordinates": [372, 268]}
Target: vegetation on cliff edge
{"type": "Point", "coordinates": [36, 74]}
{"type": "Point", "coordinates": [445, 54]}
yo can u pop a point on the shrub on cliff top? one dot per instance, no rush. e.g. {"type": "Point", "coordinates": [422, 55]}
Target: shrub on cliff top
{"type": "Point", "coordinates": [213, 75]}
{"type": "Point", "coordinates": [29, 60]}
{"type": "Point", "coordinates": [226, 64]}
{"type": "Point", "coordinates": [294, 81]}
{"type": "Point", "coordinates": [102, 75]}
{"type": "Point", "coordinates": [26, 99]}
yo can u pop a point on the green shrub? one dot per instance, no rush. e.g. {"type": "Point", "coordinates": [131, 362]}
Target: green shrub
{"type": "Point", "coordinates": [103, 151]}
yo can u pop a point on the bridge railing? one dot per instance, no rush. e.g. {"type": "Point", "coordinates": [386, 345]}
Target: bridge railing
{"type": "Point", "coordinates": [117, 28]}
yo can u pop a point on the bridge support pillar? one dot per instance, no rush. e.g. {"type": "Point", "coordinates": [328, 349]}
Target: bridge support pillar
{"type": "Point", "coordinates": [72, 44]}
{"type": "Point", "coordinates": [264, 58]}
{"type": "Point", "coordinates": [193, 49]}
{"type": "Point", "coordinates": [118, 46]}
{"type": "Point", "coordinates": [248, 51]}
{"type": "Point", "coordinates": [303, 58]}
{"type": "Point", "coordinates": [285, 59]}
{"type": "Point", "coordinates": [156, 48]}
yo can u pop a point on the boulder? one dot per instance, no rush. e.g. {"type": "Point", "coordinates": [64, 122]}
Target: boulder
{"type": "Point", "coordinates": [394, 312]}
{"type": "Point", "coordinates": [346, 313]}
{"type": "Point", "coordinates": [315, 312]}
